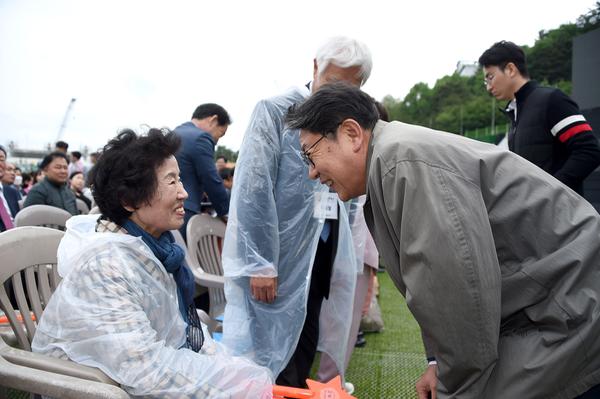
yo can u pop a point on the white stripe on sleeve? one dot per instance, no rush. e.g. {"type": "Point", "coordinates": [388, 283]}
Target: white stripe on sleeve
{"type": "Point", "coordinates": [567, 121]}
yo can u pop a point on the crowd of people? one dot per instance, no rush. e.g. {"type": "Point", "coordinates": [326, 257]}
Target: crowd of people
{"type": "Point", "coordinates": [496, 252]}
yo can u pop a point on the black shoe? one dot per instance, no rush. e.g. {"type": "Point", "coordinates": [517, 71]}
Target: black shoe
{"type": "Point", "coordinates": [360, 340]}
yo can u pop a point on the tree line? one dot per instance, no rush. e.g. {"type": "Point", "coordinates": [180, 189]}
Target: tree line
{"type": "Point", "coordinates": [459, 104]}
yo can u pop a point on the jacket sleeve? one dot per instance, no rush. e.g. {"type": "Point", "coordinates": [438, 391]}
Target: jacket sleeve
{"type": "Point", "coordinates": [570, 128]}
{"type": "Point", "coordinates": [252, 242]}
{"type": "Point", "coordinates": [450, 268]}
{"type": "Point", "coordinates": [35, 197]}
{"type": "Point", "coordinates": [204, 165]}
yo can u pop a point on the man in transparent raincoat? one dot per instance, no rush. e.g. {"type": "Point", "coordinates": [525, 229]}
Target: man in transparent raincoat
{"type": "Point", "coordinates": [284, 253]}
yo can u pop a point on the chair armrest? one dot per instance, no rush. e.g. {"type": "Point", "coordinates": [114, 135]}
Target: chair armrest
{"type": "Point", "coordinates": [54, 365]}
{"type": "Point", "coordinates": [208, 280]}
{"type": "Point", "coordinates": [55, 385]}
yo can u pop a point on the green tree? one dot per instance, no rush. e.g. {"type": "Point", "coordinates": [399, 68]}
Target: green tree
{"type": "Point", "coordinates": [231, 155]}
{"type": "Point", "coordinates": [459, 104]}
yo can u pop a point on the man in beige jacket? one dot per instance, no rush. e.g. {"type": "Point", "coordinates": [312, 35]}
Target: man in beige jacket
{"type": "Point", "coordinates": [499, 261]}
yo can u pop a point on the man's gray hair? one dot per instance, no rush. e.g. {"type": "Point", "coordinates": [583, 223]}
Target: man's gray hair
{"type": "Point", "coordinates": [345, 53]}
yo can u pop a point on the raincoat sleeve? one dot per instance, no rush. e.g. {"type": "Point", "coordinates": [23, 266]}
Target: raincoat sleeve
{"type": "Point", "coordinates": [120, 320]}
{"type": "Point", "coordinates": [252, 245]}
{"type": "Point", "coordinates": [450, 269]}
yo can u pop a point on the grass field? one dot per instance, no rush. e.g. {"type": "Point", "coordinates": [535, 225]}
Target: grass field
{"type": "Point", "coordinates": [388, 366]}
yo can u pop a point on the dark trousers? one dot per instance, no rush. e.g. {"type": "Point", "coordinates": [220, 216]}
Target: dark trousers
{"type": "Point", "coordinates": [298, 368]}
{"type": "Point", "coordinates": [593, 393]}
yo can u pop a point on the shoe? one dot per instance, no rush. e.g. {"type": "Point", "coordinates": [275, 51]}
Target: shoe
{"type": "Point", "coordinates": [360, 340]}
{"type": "Point", "coordinates": [349, 387]}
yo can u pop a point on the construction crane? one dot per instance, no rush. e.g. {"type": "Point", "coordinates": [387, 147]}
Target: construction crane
{"type": "Point", "coordinates": [63, 125]}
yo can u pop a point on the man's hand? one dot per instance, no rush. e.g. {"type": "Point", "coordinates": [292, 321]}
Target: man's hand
{"type": "Point", "coordinates": [427, 383]}
{"type": "Point", "coordinates": [264, 289]}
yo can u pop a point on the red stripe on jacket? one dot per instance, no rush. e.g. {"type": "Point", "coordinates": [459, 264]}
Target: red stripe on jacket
{"type": "Point", "coordinates": [572, 131]}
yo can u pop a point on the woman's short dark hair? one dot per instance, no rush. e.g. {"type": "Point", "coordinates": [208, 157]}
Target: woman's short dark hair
{"type": "Point", "coordinates": [51, 157]}
{"type": "Point", "coordinates": [125, 174]}
{"type": "Point", "coordinates": [77, 172]}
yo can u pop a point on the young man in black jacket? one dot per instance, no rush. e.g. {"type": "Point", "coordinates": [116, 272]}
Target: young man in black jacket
{"type": "Point", "coordinates": [547, 127]}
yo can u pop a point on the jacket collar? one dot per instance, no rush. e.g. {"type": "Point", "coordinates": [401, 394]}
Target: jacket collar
{"type": "Point", "coordinates": [374, 134]}
{"type": "Point", "coordinates": [525, 91]}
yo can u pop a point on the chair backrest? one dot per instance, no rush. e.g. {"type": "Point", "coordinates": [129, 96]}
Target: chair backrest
{"type": "Point", "coordinates": [29, 262]}
{"type": "Point", "coordinates": [181, 242]}
{"type": "Point", "coordinates": [42, 215]}
{"type": "Point", "coordinates": [204, 242]}
{"type": "Point", "coordinates": [82, 206]}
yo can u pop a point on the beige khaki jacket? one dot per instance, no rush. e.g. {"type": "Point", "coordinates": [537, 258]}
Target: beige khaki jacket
{"type": "Point", "coordinates": [499, 263]}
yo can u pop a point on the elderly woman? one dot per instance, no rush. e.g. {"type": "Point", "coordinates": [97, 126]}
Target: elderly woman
{"type": "Point", "coordinates": [125, 304]}
{"type": "Point", "coordinates": [52, 189]}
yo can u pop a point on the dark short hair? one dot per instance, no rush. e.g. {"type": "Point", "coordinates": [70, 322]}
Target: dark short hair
{"type": "Point", "coordinates": [3, 150]}
{"type": "Point", "coordinates": [226, 173]}
{"type": "Point", "coordinates": [76, 154]}
{"type": "Point", "coordinates": [51, 157]}
{"type": "Point", "coordinates": [333, 103]}
{"type": "Point", "coordinates": [125, 173]}
{"type": "Point", "coordinates": [61, 144]}
{"type": "Point", "coordinates": [222, 157]}
{"type": "Point", "coordinates": [502, 53]}
{"type": "Point", "coordinates": [77, 172]}
{"type": "Point", "coordinates": [210, 109]}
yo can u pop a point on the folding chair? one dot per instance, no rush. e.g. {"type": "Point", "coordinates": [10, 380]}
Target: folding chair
{"type": "Point", "coordinates": [29, 261]}
{"type": "Point", "coordinates": [205, 239]}
{"type": "Point", "coordinates": [42, 215]}
{"type": "Point", "coordinates": [82, 206]}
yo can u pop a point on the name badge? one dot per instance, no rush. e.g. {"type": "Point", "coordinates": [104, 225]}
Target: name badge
{"type": "Point", "coordinates": [326, 205]}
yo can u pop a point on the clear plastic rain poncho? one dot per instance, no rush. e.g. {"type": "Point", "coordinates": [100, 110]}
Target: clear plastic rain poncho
{"type": "Point", "coordinates": [272, 232]}
{"type": "Point", "coordinates": [116, 309]}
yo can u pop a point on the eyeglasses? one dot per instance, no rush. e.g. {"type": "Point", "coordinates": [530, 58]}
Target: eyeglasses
{"type": "Point", "coordinates": [306, 155]}
{"type": "Point", "coordinates": [487, 80]}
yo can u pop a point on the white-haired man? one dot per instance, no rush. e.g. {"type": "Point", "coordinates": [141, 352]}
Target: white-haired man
{"type": "Point", "coordinates": [283, 249]}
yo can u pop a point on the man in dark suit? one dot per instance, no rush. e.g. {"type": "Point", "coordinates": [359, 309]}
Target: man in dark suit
{"type": "Point", "coordinates": [196, 158]}
{"type": "Point", "coordinates": [11, 193]}
{"type": "Point", "coordinates": [9, 198]}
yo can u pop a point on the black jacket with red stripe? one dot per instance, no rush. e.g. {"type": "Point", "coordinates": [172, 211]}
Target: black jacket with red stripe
{"type": "Point", "coordinates": [551, 132]}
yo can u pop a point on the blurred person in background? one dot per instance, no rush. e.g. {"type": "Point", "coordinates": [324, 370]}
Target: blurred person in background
{"type": "Point", "coordinates": [61, 146]}
{"type": "Point", "coordinates": [196, 158]}
{"type": "Point", "coordinates": [53, 190]}
{"type": "Point", "coordinates": [77, 185]}
{"type": "Point", "coordinates": [9, 197]}
{"type": "Point", "coordinates": [76, 164]}
{"type": "Point", "coordinates": [221, 163]}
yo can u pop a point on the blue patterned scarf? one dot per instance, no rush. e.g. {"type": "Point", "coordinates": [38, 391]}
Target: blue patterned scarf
{"type": "Point", "coordinates": [172, 257]}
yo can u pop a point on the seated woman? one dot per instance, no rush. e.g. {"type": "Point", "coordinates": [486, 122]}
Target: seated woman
{"type": "Point", "coordinates": [125, 304]}
{"type": "Point", "coordinates": [77, 184]}
{"type": "Point", "coordinates": [52, 189]}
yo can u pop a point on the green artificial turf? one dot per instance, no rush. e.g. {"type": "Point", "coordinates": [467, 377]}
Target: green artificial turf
{"type": "Point", "coordinates": [389, 364]}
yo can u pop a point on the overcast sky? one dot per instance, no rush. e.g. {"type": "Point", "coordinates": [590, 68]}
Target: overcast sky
{"type": "Point", "coordinates": [135, 63]}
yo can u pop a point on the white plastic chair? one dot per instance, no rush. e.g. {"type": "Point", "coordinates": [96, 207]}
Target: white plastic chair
{"type": "Point", "coordinates": [29, 262]}
{"type": "Point", "coordinates": [205, 239]}
{"type": "Point", "coordinates": [42, 215]}
{"type": "Point", "coordinates": [82, 206]}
